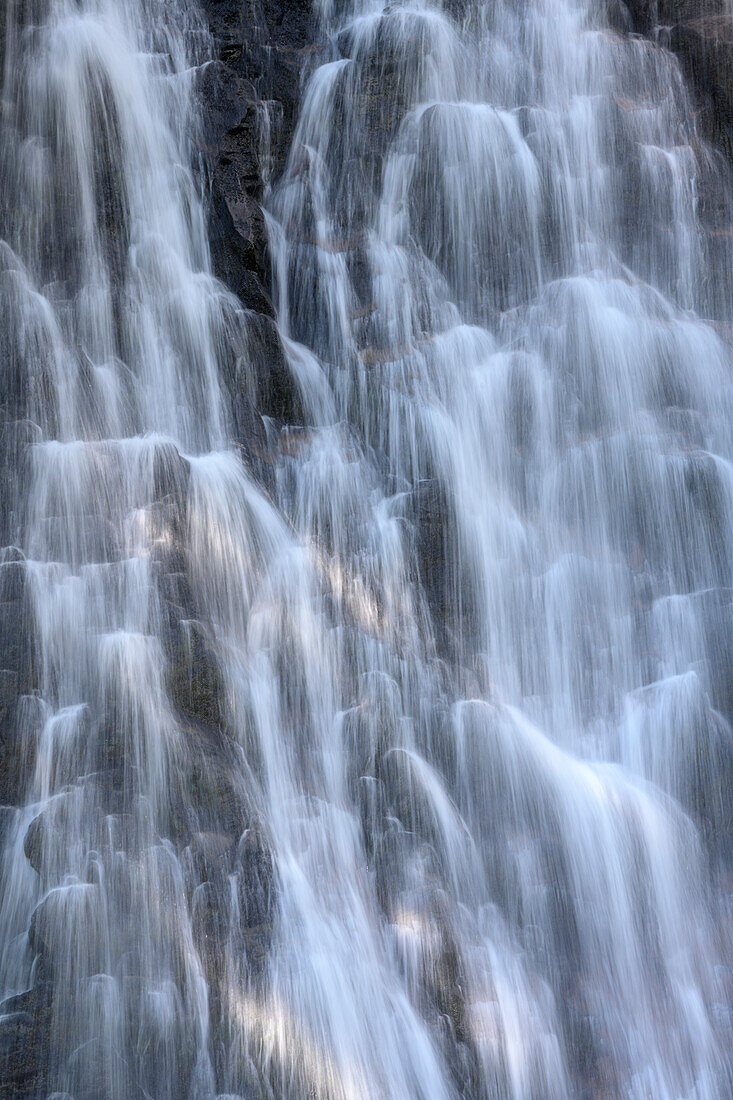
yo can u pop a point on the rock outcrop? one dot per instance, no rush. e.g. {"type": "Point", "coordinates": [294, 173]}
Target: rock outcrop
{"type": "Point", "coordinates": [705, 49]}
{"type": "Point", "coordinates": [249, 95]}
{"type": "Point", "coordinates": [700, 33]}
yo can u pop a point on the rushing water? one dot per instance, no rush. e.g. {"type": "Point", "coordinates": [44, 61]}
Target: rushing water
{"type": "Point", "coordinates": [458, 821]}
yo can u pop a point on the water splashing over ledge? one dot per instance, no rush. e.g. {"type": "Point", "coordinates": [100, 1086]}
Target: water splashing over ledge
{"type": "Point", "coordinates": [390, 756]}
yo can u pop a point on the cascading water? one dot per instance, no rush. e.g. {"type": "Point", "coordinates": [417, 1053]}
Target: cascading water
{"type": "Point", "coordinates": [454, 815]}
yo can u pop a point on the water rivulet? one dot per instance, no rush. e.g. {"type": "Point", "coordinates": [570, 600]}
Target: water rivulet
{"type": "Point", "coordinates": [384, 753]}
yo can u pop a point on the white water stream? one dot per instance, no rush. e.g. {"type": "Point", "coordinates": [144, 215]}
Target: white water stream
{"type": "Point", "coordinates": [460, 824]}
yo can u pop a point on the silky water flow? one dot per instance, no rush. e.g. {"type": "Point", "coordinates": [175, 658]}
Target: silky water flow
{"type": "Point", "coordinates": [403, 771]}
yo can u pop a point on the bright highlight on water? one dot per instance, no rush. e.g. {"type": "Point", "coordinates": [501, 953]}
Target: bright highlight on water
{"type": "Point", "coordinates": [386, 756]}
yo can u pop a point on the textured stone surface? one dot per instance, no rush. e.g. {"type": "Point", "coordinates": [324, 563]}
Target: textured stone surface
{"type": "Point", "coordinates": [700, 33]}
{"type": "Point", "coordinates": [705, 49]}
{"type": "Point", "coordinates": [249, 96]}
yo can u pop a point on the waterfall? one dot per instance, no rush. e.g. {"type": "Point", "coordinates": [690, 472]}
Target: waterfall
{"type": "Point", "coordinates": [386, 755]}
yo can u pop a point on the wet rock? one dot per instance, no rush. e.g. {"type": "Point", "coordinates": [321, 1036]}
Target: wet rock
{"type": "Point", "coordinates": [210, 919]}
{"type": "Point", "coordinates": [10, 1027]}
{"type": "Point", "coordinates": [231, 261]}
{"type": "Point", "coordinates": [257, 942]}
{"type": "Point", "coordinates": [249, 96]}
{"type": "Point", "coordinates": [216, 799]}
{"type": "Point", "coordinates": [231, 127]}
{"type": "Point", "coordinates": [248, 221]}
{"type": "Point", "coordinates": [8, 693]}
{"type": "Point", "coordinates": [700, 33]}
{"type": "Point", "coordinates": [7, 818]}
{"type": "Point", "coordinates": [705, 49]}
{"type": "Point", "coordinates": [716, 611]}
{"type": "Point", "coordinates": [166, 514]}
{"type": "Point", "coordinates": [12, 623]}
{"type": "Point", "coordinates": [194, 679]}
{"type": "Point", "coordinates": [618, 16]}
{"type": "Point", "coordinates": [67, 930]}
{"type": "Point", "coordinates": [47, 840]}
{"type": "Point", "coordinates": [12, 581]}
{"type": "Point", "coordinates": [251, 430]}
{"type": "Point", "coordinates": [100, 1072]}
{"type": "Point", "coordinates": [276, 393]}
{"type": "Point", "coordinates": [642, 14]}
{"type": "Point", "coordinates": [25, 1029]}
{"type": "Point", "coordinates": [226, 96]}
{"type": "Point", "coordinates": [16, 636]}
{"type": "Point", "coordinates": [36, 1001]}
{"type": "Point", "coordinates": [261, 384]}
{"type": "Point", "coordinates": [11, 754]}
{"type": "Point", "coordinates": [14, 756]}
{"type": "Point", "coordinates": [35, 842]}
{"type": "Point", "coordinates": [211, 845]}
{"type": "Point", "coordinates": [448, 588]}
{"type": "Point", "coordinates": [255, 882]}
{"type": "Point", "coordinates": [710, 787]}
{"type": "Point", "coordinates": [171, 474]}
{"type": "Point", "coordinates": [430, 510]}
{"type": "Point", "coordinates": [176, 596]}
{"type": "Point", "coordinates": [648, 14]}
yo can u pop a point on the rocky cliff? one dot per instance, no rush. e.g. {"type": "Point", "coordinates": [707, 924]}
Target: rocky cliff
{"type": "Point", "coordinates": [249, 95]}
{"type": "Point", "coordinates": [700, 33]}
{"type": "Point", "coordinates": [250, 98]}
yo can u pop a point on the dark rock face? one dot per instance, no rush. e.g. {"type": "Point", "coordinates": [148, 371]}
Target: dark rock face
{"type": "Point", "coordinates": [16, 671]}
{"type": "Point", "coordinates": [24, 1051]}
{"type": "Point", "coordinates": [700, 33]}
{"type": "Point", "coordinates": [249, 96]}
{"type": "Point", "coordinates": [705, 48]}
{"type": "Point", "coordinates": [648, 14]}
{"type": "Point", "coordinates": [232, 119]}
